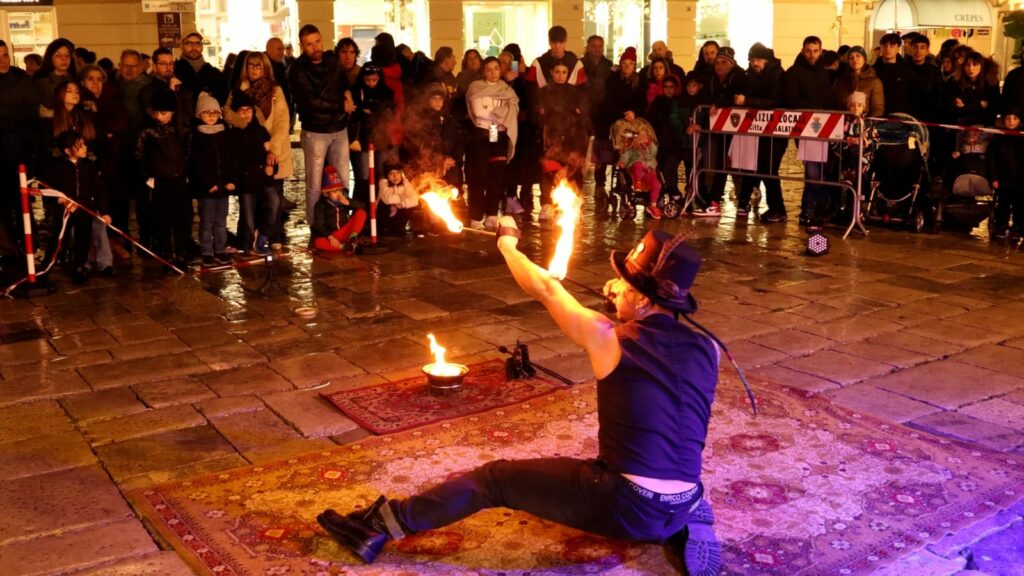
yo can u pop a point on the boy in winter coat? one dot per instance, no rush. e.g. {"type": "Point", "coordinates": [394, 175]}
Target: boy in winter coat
{"type": "Point", "coordinates": [334, 229]}
{"type": "Point", "coordinates": [258, 200]}
{"type": "Point", "coordinates": [162, 152]}
{"type": "Point", "coordinates": [213, 170]}
{"type": "Point", "coordinates": [79, 179]}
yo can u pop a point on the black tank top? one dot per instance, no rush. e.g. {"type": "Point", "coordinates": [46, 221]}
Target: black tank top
{"type": "Point", "coordinates": [653, 409]}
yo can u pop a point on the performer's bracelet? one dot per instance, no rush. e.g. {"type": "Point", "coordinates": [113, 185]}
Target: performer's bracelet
{"type": "Point", "coordinates": [508, 231]}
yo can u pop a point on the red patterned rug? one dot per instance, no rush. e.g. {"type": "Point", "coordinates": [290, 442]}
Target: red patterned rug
{"type": "Point", "coordinates": [805, 488]}
{"type": "Point", "coordinates": [407, 404]}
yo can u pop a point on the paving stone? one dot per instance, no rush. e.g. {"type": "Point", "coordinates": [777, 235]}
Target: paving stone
{"type": "Point", "coordinates": [171, 392]}
{"type": "Point", "coordinates": [897, 357]}
{"type": "Point", "coordinates": [416, 309]}
{"type": "Point", "coordinates": [149, 348]}
{"type": "Point", "coordinates": [540, 324]}
{"type": "Point", "coordinates": [851, 329]}
{"type": "Point", "coordinates": [501, 333]}
{"type": "Point", "coordinates": [230, 356]}
{"type": "Point", "coordinates": [110, 403]}
{"type": "Point", "coordinates": [731, 329]}
{"type": "Point", "coordinates": [998, 358]}
{"type": "Point", "coordinates": [507, 292]}
{"type": "Point", "coordinates": [1015, 396]}
{"type": "Point", "coordinates": [314, 369]}
{"type": "Point", "coordinates": [819, 312]}
{"type": "Point", "coordinates": [74, 551]}
{"type": "Point", "coordinates": [1017, 343]}
{"type": "Point", "coordinates": [963, 427]}
{"type": "Point", "coordinates": [309, 413]}
{"type": "Point", "coordinates": [79, 342]}
{"type": "Point", "coordinates": [997, 411]}
{"type": "Point", "coordinates": [905, 340]}
{"type": "Point", "coordinates": [43, 454]}
{"type": "Point", "coordinates": [782, 319]}
{"type": "Point", "coordinates": [57, 364]}
{"type": "Point", "coordinates": [794, 342]}
{"type": "Point", "coordinates": [355, 382]}
{"type": "Point", "coordinates": [873, 401]}
{"type": "Point", "coordinates": [248, 380]}
{"type": "Point", "coordinates": [205, 336]}
{"type": "Point", "coordinates": [34, 419]}
{"type": "Point", "coordinates": [799, 380]}
{"type": "Point", "coordinates": [215, 407]}
{"type": "Point", "coordinates": [128, 372]}
{"type": "Point", "coordinates": [141, 331]}
{"type": "Point", "coordinates": [41, 386]}
{"type": "Point", "coordinates": [575, 367]}
{"type": "Point", "coordinates": [948, 384]}
{"type": "Point", "coordinates": [750, 354]}
{"type": "Point", "coordinates": [837, 367]}
{"type": "Point", "coordinates": [184, 472]}
{"type": "Point", "coordinates": [1002, 319]}
{"type": "Point", "coordinates": [27, 352]}
{"type": "Point", "coordinates": [740, 308]}
{"type": "Point", "coordinates": [164, 451]}
{"type": "Point", "coordinates": [273, 335]}
{"type": "Point", "coordinates": [947, 331]}
{"type": "Point", "coordinates": [100, 432]}
{"type": "Point", "coordinates": [159, 564]}
{"type": "Point", "coordinates": [390, 354]}
{"type": "Point", "coordinates": [248, 431]}
{"type": "Point", "coordinates": [59, 502]}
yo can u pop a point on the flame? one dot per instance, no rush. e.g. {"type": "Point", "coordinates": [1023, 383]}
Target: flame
{"type": "Point", "coordinates": [439, 205]}
{"type": "Point", "coordinates": [568, 204]}
{"type": "Point", "coordinates": [440, 367]}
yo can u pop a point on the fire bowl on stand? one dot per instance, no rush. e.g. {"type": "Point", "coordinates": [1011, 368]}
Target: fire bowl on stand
{"type": "Point", "coordinates": [446, 378]}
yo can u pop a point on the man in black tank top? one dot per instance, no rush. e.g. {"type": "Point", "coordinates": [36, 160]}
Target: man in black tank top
{"type": "Point", "coordinates": [656, 383]}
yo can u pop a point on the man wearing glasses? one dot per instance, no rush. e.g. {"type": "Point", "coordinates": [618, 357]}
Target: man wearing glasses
{"type": "Point", "coordinates": [196, 73]}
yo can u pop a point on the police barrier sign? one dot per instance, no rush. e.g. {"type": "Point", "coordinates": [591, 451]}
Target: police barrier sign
{"type": "Point", "coordinates": [783, 123]}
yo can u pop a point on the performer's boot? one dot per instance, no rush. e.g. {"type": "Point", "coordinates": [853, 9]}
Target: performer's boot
{"type": "Point", "coordinates": [364, 532]}
{"type": "Point", "coordinates": [697, 544]}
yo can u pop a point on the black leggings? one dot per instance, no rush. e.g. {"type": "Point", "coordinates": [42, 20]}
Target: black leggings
{"type": "Point", "coordinates": [583, 494]}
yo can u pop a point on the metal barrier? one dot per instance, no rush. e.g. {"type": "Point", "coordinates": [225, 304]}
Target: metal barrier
{"type": "Point", "coordinates": [826, 126]}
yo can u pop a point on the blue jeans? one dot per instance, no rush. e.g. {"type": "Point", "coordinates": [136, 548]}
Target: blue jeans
{"type": "Point", "coordinates": [815, 197]}
{"type": "Point", "coordinates": [101, 245]}
{"type": "Point", "coordinates": [213, 225]}
{"type": "Point", "coordinates": [316, 148]}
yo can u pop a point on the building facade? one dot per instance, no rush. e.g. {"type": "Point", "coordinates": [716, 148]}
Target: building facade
{"type": "Point", "coordinates": [108, 26]}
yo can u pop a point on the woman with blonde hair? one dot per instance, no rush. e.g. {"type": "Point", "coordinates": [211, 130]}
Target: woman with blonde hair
{"type": "Point", "coordinates": [256, 80]}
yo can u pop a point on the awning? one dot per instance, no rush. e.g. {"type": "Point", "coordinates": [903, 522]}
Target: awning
{"type": "Point", "coordinates": [907, 14]}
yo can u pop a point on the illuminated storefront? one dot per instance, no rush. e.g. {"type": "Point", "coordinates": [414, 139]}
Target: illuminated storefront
{"type": "Point", "coordinates": [27, 27]}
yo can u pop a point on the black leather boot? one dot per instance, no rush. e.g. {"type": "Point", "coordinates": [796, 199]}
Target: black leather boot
{"type": "Point", "coordinates": [364, 532]}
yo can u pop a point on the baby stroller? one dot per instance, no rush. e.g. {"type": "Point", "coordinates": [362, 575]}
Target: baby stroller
{"type": "Point", "coordinates": [626, 193]}
{"type": "Point", "coordinates": [970, 198]}
{"type": "Point", "coordinates": [899, 168]}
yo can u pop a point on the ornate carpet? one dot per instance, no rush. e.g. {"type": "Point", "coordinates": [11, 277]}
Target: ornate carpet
{"type": "Point", "coordinates": [804, 488]}
{"type": "Point", "coordinates": [407, 404]}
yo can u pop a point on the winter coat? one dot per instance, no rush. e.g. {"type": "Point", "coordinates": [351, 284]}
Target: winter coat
{"type": "Point", "coordinates": [926, 102]}
{"type": "Point", "coordinates": [540, 71]}
{"type": "Point", "coordinates": [318, 99]}
{"type": "Point", "coordinates": [764, 89]}
{"type": "Point", "coordinates": [183, 116]}
{"type": "Point", "coordinates": [327, 217]}
{"type": "Point", "coordinates": [671, 119]}
{"type": "Point", "coordinates": [213, 161]}
{"type": "Point", "coordinates": [1006, 163]}
{"type": "Point", "coordinates": [375, 109]}
{"type": "Point", "coordinates": [162, 152]}
{"type": "Point", "coordinates": [81, 182]}
{"type": "Point", "coordinates": [1013, 89]}
{"type": "Point", "coordinates": [250, 145]}
{"type": "Point", "coordinates": [721, 92]}
{"type": "Point", "coordinates": [561, 112]}
{"type": "Point", "coordinates": [867, 83]}
{"type": "Point", "coordinates": [208, 79]}
{"type": "Point", "coordinates": [430, 137]}
{"type": "Point", "coordinates": [19, 115]}
{"type": "Point", "coordinates": [899, 84]}
{"type": "Point", "coordinates": [808, 87]}
{"type": "Point", "coordinates": [621, 95]}
{"type": "Point", "coordinates": [277, 125]}
{"type": "Point", "coordinates": [972, 95]}
{"type": "Point", "coordinates": [401, 195]}
{"type": "Point", "coordinates": [130, 92]}
{"type": "Point", "coordinates": [598, 74]}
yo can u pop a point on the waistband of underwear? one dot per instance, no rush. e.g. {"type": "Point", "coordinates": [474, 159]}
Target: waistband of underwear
{"type": "Point", "coordinates": [677, 498]}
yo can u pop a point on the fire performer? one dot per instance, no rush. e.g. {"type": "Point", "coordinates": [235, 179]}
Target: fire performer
{"type": "Point", "coordinates": [656, 383]}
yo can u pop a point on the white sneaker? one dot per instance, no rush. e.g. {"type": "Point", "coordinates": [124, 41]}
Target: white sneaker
{"type": "Point", "coordinates": [491, 223]}
{"type": "Point", "coordinates": [547, 212]}
{"type": "Point", "coordinates": [476, 224]}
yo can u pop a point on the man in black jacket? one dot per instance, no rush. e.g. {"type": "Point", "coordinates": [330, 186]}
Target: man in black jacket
{"type": "Point", "coordinates": [725, 88]}
{"type": "Point", "coordinates": [764, 91]}
{"type": "Point", "coordinates": [598, 68]}
{"type": "Point", "coordinates": [19, 115]}
{"type": "Point", "coordinates": [323, 111]}
{"type": "Point", "coordinates": [898, 80]}
{"type": "Point", "coordinates": [927, 99]}
{"type": "Point", "coordinates": [197, 74]}
{"type": "Point", "coordinates": [275, 52]}
{"type": "Point", "coordinates": [808, 87]}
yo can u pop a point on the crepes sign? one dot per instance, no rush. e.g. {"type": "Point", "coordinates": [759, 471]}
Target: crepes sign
{"type": "Point", "coordinates": [783, 123]}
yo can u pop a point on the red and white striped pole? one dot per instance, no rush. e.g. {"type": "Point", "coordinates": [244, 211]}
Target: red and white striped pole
{"type": "Point", "coordinates": [26, 218]}
{"type": "Point", "coordinates": [373, 201]}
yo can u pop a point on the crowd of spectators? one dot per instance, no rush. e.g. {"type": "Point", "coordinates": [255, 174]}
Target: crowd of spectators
{"type": "Point", "coordinates": [156, 132]}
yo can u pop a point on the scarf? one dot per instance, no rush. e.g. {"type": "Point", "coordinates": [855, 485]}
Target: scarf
{"type": "Point", "coordinates": [196, 64]}
{"type": "Point", "coordinates": [495, 102]}
{"type": "Point", "coordinates": [261, 91]}
{"type": "Point", "coordinates": [211, 128]}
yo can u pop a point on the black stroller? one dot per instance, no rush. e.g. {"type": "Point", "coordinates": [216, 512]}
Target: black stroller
{"type": "Point", "coordinates": [969, 199]}
{"type": "Point", "coordinates": [899, 149]}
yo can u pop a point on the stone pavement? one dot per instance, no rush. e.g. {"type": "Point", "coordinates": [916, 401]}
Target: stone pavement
{"type": "Point", "coordinates": [145, 378]}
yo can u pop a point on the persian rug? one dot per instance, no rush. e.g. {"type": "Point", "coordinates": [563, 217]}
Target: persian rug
{"type": "Point", "coordinates": [804, 488]}
{"type": "Point", "coordinates": [406, 404]}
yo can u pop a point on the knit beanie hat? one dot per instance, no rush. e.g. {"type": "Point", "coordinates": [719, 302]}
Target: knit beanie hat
{"type": "Point", "coordinates": [206, 103]}
{"type": "Point", "coordinates": [239, 99]}
{"type": "Point", "coordinates": [628, 54]}
{"type": "Point", "coordinates": [332, 180]}
{"type": "Point", "coordinates": [858, 50]}
{"type": "Point", "coordinates": [761, 51]}
{"type": "Point", "coordinates": [727, 53]}
{"type": "Point", "coordinates": [857, 98]}
{"type": "Point", "coordinates": [164, 101]}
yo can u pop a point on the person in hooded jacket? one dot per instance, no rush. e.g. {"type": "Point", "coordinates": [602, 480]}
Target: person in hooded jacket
{"type": "Point", "coordinates": [860, 77]}
{"type": "Point", "coordinates": [764, 91]}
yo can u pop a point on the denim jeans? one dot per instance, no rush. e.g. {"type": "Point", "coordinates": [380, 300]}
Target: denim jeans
{"type": "Point", "coordinates": [583, 494]}
{"type": "Point", "coordinates": [317, 149]}
{"type": "Point", "coordinates": [213, 229]}
{"type": "Point", "coordinates": [815, 198]}
{"type": "Point", "coordinates": [101, 246]}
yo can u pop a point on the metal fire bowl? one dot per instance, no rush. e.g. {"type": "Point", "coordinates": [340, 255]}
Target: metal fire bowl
{"type": "Point", "coordinates": [445, 384]}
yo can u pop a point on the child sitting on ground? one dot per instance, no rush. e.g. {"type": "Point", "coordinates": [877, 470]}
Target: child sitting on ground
{"type": "Point", "coordinates": [337, 219]}
{"type": "Point", "coordinates": [79, 179]}
{"type": "Point", "coordinates": [399, 202]}
{"type": "Point", "coordinates": [213, 174]}
{"type": "Point", "coordinates": [634, 139]}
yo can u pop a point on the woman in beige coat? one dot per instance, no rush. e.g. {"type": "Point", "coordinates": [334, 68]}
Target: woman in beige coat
{"type": "Point", "coordinates": [271, 111]}
{"type": "Point", "coordinates": [860, 77]}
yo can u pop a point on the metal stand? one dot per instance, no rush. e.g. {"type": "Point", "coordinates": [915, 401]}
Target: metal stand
{"type": "Point", "coordinates": [270, 281]}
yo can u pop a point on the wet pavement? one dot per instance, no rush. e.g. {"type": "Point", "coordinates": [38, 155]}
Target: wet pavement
{"type": "Point", "coordinates": [145, 378]}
